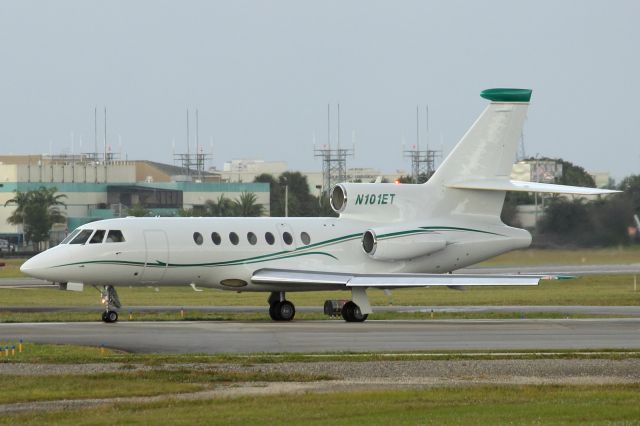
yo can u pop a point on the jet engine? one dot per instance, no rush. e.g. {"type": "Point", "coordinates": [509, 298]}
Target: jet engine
{"type": "Point", "coordinates": [400, 244]}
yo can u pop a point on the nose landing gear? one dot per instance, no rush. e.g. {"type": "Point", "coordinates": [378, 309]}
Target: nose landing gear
{"type": "Point", "coordinates": [109, 298]}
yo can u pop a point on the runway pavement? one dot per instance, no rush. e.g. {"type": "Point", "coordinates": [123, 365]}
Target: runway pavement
{"type": "Point", "coordinates": [322, 336]}
{"type": "Point", "coordinates": [620, 311]}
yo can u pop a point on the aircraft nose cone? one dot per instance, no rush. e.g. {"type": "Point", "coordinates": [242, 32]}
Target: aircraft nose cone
{"type": "Point", "coordinates": [31, 267]}
{"type": "Point", "coordinates": [26, 266]}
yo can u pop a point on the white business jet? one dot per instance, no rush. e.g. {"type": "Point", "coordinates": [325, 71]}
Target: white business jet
{"type": "Point", "coordinates": [387, 236]}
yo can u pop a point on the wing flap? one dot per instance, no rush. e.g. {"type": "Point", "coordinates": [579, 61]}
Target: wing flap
{"type": "Point", "coordinates": [293, 277]}
{"type": "Point", "coordinates": [449, 280]}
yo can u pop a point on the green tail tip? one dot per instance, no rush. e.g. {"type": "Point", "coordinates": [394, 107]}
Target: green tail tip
{"type": "Point", "coordinates": [507, 95]}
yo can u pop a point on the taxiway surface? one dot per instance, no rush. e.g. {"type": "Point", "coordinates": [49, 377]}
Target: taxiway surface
{"type": "Point", "coordinates": [332, 336]}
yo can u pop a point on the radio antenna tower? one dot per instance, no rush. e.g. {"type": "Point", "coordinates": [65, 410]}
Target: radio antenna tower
{"type": "Point", "coordinates": [423, 162]}
{"type": "Point", "coordinates": [334, 160]}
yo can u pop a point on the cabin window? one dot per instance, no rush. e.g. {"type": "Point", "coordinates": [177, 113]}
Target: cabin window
{"type": "Point", "coordinates": [70, 236]}
{"type": "Point", "coordinates": [115, 236]}
{"type": "Point", "coordinates": [197, 238]}
{"type": "Point", "coordinates": [82, 237]}
{"type": "Point", "coordinates": [287, 238]}
{"type": "Point", "coordinates": [233, 237]}
{"type": "Point", "coordinates": [270, 239]}
{"type": "Point", "coordinates": [215, 237]}
{"type": "Point", "coordinates": [97, 237]}
{"type": "Point", "coordinates": [251, 237]}
{"type": "Point", "coordinates": [306, 239]}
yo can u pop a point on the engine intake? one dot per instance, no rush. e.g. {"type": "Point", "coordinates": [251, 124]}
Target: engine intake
{"type": "Point", "coordinates": [338, 199]}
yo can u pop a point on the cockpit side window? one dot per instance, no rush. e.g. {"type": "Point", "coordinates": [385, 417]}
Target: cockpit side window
{"type": "Point", "coordinates": [70, 236]}
{"type": "Point", "coordinates": [115, 236]}
{"type": "Point", "coordinates": [97, 237]}
{"type": "Point", "coordinates": [82, 237]}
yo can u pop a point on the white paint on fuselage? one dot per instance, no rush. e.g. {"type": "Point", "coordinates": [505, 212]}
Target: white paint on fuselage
{"type": "Point", "coordinates": [335, 247]}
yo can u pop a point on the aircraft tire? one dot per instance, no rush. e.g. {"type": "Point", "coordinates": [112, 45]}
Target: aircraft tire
{"type": "Point", "coordinates": [351, 313]}
{"type": "Point", "coordinates": [286, 310]}
{"type": "Point", "coordinates": [274, 311]}
{"type": "Point", "coordinates": [110, 317]}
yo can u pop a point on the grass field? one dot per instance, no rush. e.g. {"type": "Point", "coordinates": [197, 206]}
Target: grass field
{"type": "Point", "coordinates": [124, 383]}
{"type": "Point", "coordinates": [609, 255]}
{"type": "Point", "coordinates": [174, 374]}
{"type": "Point", "coordinates": [592, 290]}
{"type": "Point", "coordinates": [37, 353]}
{"type": "Point", "coordinates": [11, 268]}
{"type": "Point", "coordinates": [442, 405]}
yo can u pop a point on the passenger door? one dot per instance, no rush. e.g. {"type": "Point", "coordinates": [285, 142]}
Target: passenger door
{"type": "Point", "coordinates": [157, 256]}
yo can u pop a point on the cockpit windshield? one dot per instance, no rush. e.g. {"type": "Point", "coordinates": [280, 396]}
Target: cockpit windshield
{"type": "Point", "coordinates": [97, 237]}
{"type": "Point", "coordinates": [89, 236]}
{"type": "Point", "coordinates": [70, 236]}
{"type": "Point", "coordinates": [82, 237]}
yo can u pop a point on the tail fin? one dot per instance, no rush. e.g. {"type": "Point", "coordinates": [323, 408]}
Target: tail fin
{"type": "Point", "coordinates": [486, 151]}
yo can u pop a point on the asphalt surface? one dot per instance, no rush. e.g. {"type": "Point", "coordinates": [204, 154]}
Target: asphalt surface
{"type": "Point", "coordinates": [322, 336]}
{"type": "Point", "coordinates": [619, 311]}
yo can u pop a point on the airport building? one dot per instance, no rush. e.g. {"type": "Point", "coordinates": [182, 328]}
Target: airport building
{"type": "Point", "coordinates": [100, 190]}
{"type": "Point", "coordinates": [246, 171]}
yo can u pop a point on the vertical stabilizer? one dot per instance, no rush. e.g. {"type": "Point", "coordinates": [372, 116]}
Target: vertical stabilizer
{"type": "Point", "coordinates": [486, 151]}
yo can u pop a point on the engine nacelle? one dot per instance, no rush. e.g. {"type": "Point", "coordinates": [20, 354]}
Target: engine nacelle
{"type": "Point", "coordinates": [400, 244]}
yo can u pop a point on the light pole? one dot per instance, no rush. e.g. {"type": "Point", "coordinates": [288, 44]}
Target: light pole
{"type": "Point", "coordinates": [286, 196]}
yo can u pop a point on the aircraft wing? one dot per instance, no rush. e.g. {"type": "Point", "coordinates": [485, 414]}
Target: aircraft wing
{"type": "Point", "coordinates": [295, 277]}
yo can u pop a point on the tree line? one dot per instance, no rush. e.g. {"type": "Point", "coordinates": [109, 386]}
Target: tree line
{"type": "Point", "coordinates": [576, 221]}
{"type": "Point", "coordinates": [565, 221]}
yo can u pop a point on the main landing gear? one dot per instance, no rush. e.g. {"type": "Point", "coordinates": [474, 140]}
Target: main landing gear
{"type": "Point", "coordinates": [109, 298]}
{"type": "Point", "coordinates": [280, 309]}
{"type": "Point", "coordinates": [352, 313]}
{"type": "Point", "coordinates": [355, 310]}
{"type": "Point", "coordinates": [347, 309]}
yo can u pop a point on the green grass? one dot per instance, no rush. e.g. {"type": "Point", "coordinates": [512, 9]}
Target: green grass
{"type": "Point", "coordinates": [19, 388]}
{"type": "Point", "coordinates": [442, 405]}
{"type": "Point", "coordinates": [591, 290]}
{"type": "Point", "coordinates": [11, 268]}
{"type": "Point", "coordinates": [609, 255]}
{"type": "Point", "coordinates": [36, 353]}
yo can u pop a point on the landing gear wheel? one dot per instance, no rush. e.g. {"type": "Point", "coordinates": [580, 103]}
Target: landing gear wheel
{"type": "Point", "coordinates": [282, 311]}
{"type": "Point", "coordinates": [109, 298]}
{"type": "Point", "coordinates": [109, 316]}
{"type": "Point", "coordinates": [351, 313]}
{"type": "Point", "coordinates": [286, 311]}
{"type": "Point", "coordinates": [274, 311]}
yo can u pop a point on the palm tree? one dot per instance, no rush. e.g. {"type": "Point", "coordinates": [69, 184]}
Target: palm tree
{"type": "Point", "coordinates": [20, 200]}
{"type": "Point", "coordinates": [222, 207]}
{"type": "Point", "coordinates": [246, 205]}
{"type": "Point", "coordinates": [37, 211]}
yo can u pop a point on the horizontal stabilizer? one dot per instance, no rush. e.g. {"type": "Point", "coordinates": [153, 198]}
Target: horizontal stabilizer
{"type": "Point", "coordinates": [293, 277]}
{"type": "Point", "coordinates": [521, 186]}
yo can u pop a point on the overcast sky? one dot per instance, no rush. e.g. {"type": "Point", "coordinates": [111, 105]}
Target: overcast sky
{"type": "Point", "coordinates": [261, 74]}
